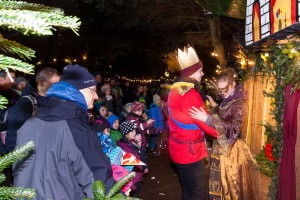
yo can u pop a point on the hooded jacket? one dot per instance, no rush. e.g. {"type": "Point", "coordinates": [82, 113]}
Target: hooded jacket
{"type": "Point", "coordinates": [67, 158]}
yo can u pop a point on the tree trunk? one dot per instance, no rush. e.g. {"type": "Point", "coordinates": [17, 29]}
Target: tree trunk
{"type": "Point", "coordinates": [215, 33]}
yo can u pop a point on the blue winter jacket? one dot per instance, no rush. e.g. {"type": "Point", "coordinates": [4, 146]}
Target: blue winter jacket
{"type": "Point", "coordinates": [67, 158]}
{"type": "Point", "coordinates": [155, 112]}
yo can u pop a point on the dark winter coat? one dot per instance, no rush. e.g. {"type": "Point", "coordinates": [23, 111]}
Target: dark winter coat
{"type": "Point", "coordinates": [19, 113]}
{"type": "Point", "coordinates": [67, 158]}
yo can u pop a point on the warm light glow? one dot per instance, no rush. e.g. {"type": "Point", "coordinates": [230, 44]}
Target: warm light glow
{"type": "Point", "coordinates": [293, 50]}
{"type": "Point", "coordinates": [54, 60]}
{"type": "Point", "coordinates": [243, 62]}
{"type": "Point", "coordinates": [38, 63]}
{"type": "Point", "coordinates": [75, 60]}
{"type": "Point", "coordinates": [251, 63]}
{"type": "Point", "coordinates": [67, 60]}
{"type": "Point", "coordinates": [267, 54]}
{"type": "Point", "coordinates": [84, 57]}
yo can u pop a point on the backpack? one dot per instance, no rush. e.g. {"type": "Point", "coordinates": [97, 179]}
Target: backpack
{"type": "Point", "coordinates": [3, 121]}
{"type": "Point", "coordinates": [33, 102]}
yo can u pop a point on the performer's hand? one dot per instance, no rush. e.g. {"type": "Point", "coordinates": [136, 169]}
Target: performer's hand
{"type": "Point", "coordinates": [199, 114]}
{"type": "Point", "coordinates": [211, 101]}
{"type": "Point", "coordinates": [146, 171]}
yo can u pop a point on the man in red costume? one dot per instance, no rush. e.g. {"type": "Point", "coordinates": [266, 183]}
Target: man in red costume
{"type": "Point", "coordinates": [186, 143]}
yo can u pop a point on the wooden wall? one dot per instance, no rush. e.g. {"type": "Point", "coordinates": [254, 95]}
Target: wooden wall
{"type": "Point", "coordinates": [257, 109]}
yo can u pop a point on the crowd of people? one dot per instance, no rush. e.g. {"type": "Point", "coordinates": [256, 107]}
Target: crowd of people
{"type": "Point", "coordinates": [82, 125]}
{"type": "Point", "coordinates": [62, 113]}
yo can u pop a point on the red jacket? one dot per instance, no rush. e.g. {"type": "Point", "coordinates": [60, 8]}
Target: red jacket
{"type": "Point", "coordinates": [186, 144]}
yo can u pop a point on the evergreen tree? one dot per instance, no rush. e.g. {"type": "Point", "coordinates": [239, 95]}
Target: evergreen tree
{"type": "Point", "coordinates": [7, 160]}
{"type": "Point", "coordinates": [28, 19]}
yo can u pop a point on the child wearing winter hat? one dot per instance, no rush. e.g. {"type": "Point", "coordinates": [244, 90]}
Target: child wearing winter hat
{"type": "Point", "coordinates": [136, 115]}
{"type": "Point", "coordinates": [103, 132]}
{"type": "Point", "coordinates": [115, 134]}
{"type": "Point", "coordinates": [157, 114]}
{"type": "Point", "coordinates": [127, 143]}
{"type": "Point", "coordinates": [113, 152]}
{"type": "Point", "coordinates": [125, 112]}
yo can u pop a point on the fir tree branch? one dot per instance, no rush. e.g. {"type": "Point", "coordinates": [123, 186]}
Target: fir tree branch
{"type": "Point", "coordinates": [98, 190]}
{"type": "Point", "coordinates": [117, 186]}
{"type": "Point", "coordinates": [15, 64]}
{"type": "Point", "coordinates": [2, 178]}
{"type": "Point", "coordinates": [16, 192]}
{"type": "Point", "coordinates": [3, 102]}
{"type": "Point", "coordinates": [36, 22]}
{"type": "Point", "coordinates": [16, 155]}
{"type": "Point", "coordinates": [16, 48]}
{"type": "Point", "coordinates": [21, 5]}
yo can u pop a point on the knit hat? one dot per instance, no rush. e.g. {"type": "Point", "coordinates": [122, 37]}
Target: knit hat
{"type": "Point", "coordinates": [137, 106]}
{"type": "Point", "coordinates": [105, 88]}
{"type": "Point", "coordinates": [142, 100]}
{"type": "Point", "coordinates": [78, 77]}
{"type": "Point", "coordinates": [188, 61]}
{"type": "Point", "coordinates": [126, 127]}
{"type": "Point", "coordinates": [156, 97]}
{"type": "Point", "coordinates": [99, 126]}
{"type": "Point", "coordinates": [111, 119]}
{"type": "Point", "coordinates": [20, 80]}
{"type": "Point", "coordinates": [127, 105]}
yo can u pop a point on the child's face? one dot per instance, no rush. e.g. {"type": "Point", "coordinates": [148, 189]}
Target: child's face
{"type": "Point", "coordinates": [157, 102]}
{"type": "Point", "coordinates": [139, 113]}
{"type": "Point", "coordinates": [128, 109]}
{"type": "Point", "coordinates": [116, 125]}
{"type": "Point", "coordinates": [131, 135]}
{"type": "Point", "coordinates": [103, 111]}
{"type": "Point", "coordinates": [138, 137]}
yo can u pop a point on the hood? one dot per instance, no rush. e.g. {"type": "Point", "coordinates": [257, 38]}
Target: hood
{"type": "Point", "coordinates": [68, 92]}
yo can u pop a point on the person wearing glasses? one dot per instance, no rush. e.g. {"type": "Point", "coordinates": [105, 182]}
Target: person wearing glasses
{"type": "Point", "coordinates": [67, 157]}
{"type": "Point", "coordinates": [233, 170]}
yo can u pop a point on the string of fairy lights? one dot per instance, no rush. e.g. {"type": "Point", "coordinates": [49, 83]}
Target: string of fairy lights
{"type": "Point", "coordinates": [69, 60]}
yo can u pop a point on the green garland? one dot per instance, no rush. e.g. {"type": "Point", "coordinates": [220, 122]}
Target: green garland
{"type": "Point", "coordinates": [282, 63]}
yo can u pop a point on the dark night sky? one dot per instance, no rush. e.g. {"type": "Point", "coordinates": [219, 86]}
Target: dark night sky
{"type": "Point", "coordinates": [129, 37]}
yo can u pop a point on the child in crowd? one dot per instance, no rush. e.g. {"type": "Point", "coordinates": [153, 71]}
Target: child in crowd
{"type": "Point", "coordinates": [142, 150]}
{"type": "Point", "coordinates": [114, 153]}
{"type": "Point", "coordinates": [136, 116]}
{"type": "Point", "coordinates": [156, 113]}
{"type": "Point", "coordinates": [101, 113]}
{"type": "Point", "coordinates": [115, 134]}
{"type": "Point", "coordinates": [126, 111]}
{"type": "Point", "coordinates": [108, 99]}
{"type": "Point", "coordinates": [127, 143]}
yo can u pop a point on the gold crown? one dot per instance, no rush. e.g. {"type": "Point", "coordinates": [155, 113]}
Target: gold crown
{"type": "Point", "coordinates": [187, 57]}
